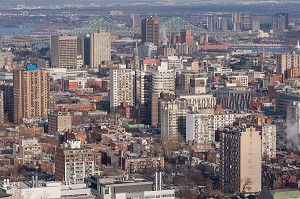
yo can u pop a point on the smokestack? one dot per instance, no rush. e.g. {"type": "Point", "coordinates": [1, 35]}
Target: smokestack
{"type": "Point", "coordinates": [32, 181]}
{"type": "Point", "coordinates": [36, 181]}
{"type": "Point", "coordinates": [156, 182]}
{"type": "Point", "coordinates": [160, 181]}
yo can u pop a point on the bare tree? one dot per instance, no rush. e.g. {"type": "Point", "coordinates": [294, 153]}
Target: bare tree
{"type": "Point", "coordinates": [246, 182]}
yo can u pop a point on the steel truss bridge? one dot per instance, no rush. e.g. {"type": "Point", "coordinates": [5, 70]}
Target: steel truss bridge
{"type": "Point", "coordinates": [173, 25]}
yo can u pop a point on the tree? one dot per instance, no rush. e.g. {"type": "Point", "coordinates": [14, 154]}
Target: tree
{"type": "Point", "coordinates": [246, 182]}
{"type": "Point", "coordinates": [187, 193]}
{"type": "Point", "coordinates": [212, 191]}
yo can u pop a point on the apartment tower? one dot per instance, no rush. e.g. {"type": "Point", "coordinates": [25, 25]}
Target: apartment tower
{"type": "Point", "coordinates": [122, 88]}
{"type": "Point", "coordinates": [240, 160]}
{"type": "Point", "coordinates": [31, 93]}
{"type": "Point", "coordinates": [100, 48]}
{"type": "Point", "coordinates": [73, 163]}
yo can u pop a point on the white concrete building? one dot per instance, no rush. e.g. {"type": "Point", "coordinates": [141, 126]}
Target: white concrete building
{"type": "Point", "coordinates": [51, 190]}
{"type": "Point", "coordinates": [134, 186]}
{"type": "Point", "coordinates": [29, 150]}
{"type": "Point", "coordinates": [243, 79]}
{"type": "Point", "coordinates": [201, 127]}
{"type": "Point", "coordinates": [163, 81]}
{"type": "Point", "coordinates": [198, 85]}
{"type": "Point", "coordinates": [175, 62]}
{"type": "Point", "coordinates": [100, 48]}
{"type": "Point", "coordinates": [198, 102]}
{"type": "Point", "coordinates": [268, 141]}
{"type": "Point", "coordinates": [122, 88]}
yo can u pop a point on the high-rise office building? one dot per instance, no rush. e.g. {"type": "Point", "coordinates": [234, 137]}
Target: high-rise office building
{"type": "Point", "coordinates": [241, 21]}
{"type": "Point", "coordinates": [255, 25]}
{"type": "Point", "coordinates": [212, 22]}
{"type": "Point", "coordinates": [240, 160]}
{"type": "Point", "coordinates": [280, 22]}
{"type": "Point", "coordinates": [86, 50]}
{"type": "Point", "coordinates": [31, 93]}
{"type": "Point", "coordinates": [246, 22]}
{"type": "Point", "coordinates": [223, 24]}
{"type": "Point", "coordinates": [100, 48]}
{"type": "Point", "coordinates": [236, 21]}
{"type": "Point", "coordinates": [73, 163]}
{"type": "Point", "coordinates": [64, 52]}
{"type": "Point", "coordinates": [150, 30]}
{"type": "Point", "coordinates": [122, 88]}
{"type": "Point", "coordinates": [8, 94]}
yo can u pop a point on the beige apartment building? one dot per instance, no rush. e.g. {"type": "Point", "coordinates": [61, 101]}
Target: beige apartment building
{"type": "Point", "coordinates": [100, 49]}
{"type": "Point", "coordinates": [30, 151]}
{"type": "Point", "coordinates": [64, 52]}
{"type": "Point", "coordinates": [240, 160]}
{"type": "Point", "coordinates": [133, 164]}
{"type": "Point", "coordinates": [122, 88]}
{"type": "Point", "coordinates": [73, 163]}
{"type": "Point", "coordinates": [287, 61]}
{"type": "Point", "coordinates": [173, 121]}
{"type": "Point", "coordinates": [31, 93]}
{"type": "Point", "coordinates": [59, 121]}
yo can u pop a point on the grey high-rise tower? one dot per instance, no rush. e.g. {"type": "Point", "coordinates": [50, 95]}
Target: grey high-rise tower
{"type": "Point", "coordinates": [150, 30]}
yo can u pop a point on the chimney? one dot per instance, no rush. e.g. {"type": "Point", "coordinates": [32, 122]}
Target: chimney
{"type": "Point", "coordinates": [160, 181]}
{"type": "Point", "coordinates": [32, 181]}
{"type": "Point", "coordinates": [36, 181]}
{"type": "Point", "coordinates": [156, 182]}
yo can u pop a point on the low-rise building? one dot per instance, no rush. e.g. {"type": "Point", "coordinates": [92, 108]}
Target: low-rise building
{"type": "Point", "coordinates": [135, 164]}
{"type": "Point", "coordinates": [39, 189]}
{"type": "Point", "coordinates": [28, 150]}
{"type": "Point", "coordinates": [134, 186]}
